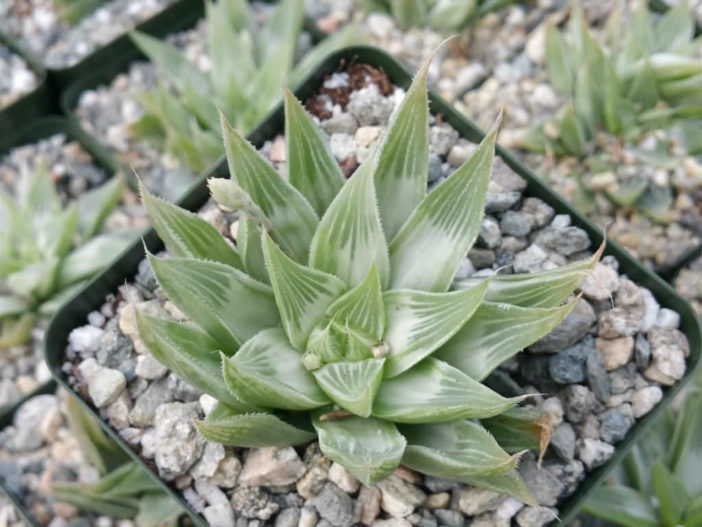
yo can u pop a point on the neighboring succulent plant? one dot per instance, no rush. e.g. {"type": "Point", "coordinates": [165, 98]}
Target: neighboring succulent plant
{"type": "Point", "coordinates": [48, 251]}
{"type": "Point", "coordinates": [658, 483]}
{"type": "Point", "coordinates": [125, 489]}
{"type": "Point", "coordinates": [249, 64]}
{"type": "Point", "coordinates": [348, 321]}
{"type": "Point", "coordinates": [440, 15]}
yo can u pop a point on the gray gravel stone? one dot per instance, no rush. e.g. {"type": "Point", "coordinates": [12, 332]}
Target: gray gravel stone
{"type": "Point", "coordinates": [178, 442]}
{"type": "Point", "coordinates": [147, 402]}
{"type": "Point", "coordinates": [543, 485]}
{"type": "Point", "coordinates": [335, 506]}
{"type": "Point", "coordinates": [115, 348]}
{"type": "Point", "coordinates": [449, 518]}
{"type": "Point", "coordinates": [593, 452]}
{"type": "Point", "coordinates": [369, 106]}
{"type": "Point", "coordinates": [253, 503]}
{"type": "Point", "coordinates": [644, 399]}
{"type": "Point", "coordinates": [105, 386]}
{"type": "Point", "coordinates": [568, 366]}
{"type": "Point", "coordinates": [272, 467]}
{"type": "Point", "coordinates": [565, 241]}
{"type": "Point", "coordinates": [578, 402]}
{"type": "Point", "coordinates": [573, 328]}
{"type": "Point", "coordinates": [614, 425]}
{"type": "Point", "coordinates": [563, 441]}
{"type": "Point", "coordinates": [515, 223]}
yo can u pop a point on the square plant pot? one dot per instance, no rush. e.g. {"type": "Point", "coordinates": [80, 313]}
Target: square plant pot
{"type": "Point", "coordinates": [177, 15]}
{"type": "Point", "coordinates": [93, 296]}
{"type": "Point", "coordinates": [6, 419]}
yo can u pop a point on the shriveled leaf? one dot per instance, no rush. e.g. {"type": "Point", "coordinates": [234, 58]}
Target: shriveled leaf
{"type": "Point", "coordinates": [432, 243]}
{"type": "Point", "coordinates": [401, 173]}
{"type": "Point", "coordinates": [352, 385]}
{"type": "Point", "coordinates": [190, 353]}
{"type": "Point", "coordinates": [454, 450]}
{"type": "Point", "coordinates": [103, 453]}
{"type": "Point", "coordinates": [252, 430]}
{"type": "Point", "coordinates": [91, 258]}
{"type": "Point", "coordinates": [311, 165]}
{"type": "Point", "coordinates": [542, 289]}
{"type": "Point", "coordinates": [302, 293]}
{"type": "Point", "coordinates": [371, 449]}
{"type": "Point", "coordinates": [293, 220]}
{"type": "Point", "coordinates": [95, 205]}
{"type": "Point", "coordinates": [418, 323]}
{"type": "Point", "coordinates": [228, 304]}
{"type": "Point", "coordinates": [622, 505]}
{"type": "Point", "coordinates": [349, 239]}
{"type": "Point", "coordinates": [268, 372]}
{"type": "Point", "coordinates": [361, 309]}
{"type": "Point", "coordinates": [187, 235]}
{"type": "Point", "coordinates": [433, 392]}
{"type": "Point", "coordinates": [521, 428]}
{"type": "Point", "coordinates": [495, 333]}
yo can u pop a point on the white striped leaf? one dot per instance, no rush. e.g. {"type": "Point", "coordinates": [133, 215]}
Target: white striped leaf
{"type": "Point", "coordinates": [90, 258]}
{"type": "Point", "coordinates": [408, 13]}
{"type": "Point", "coordinates": [453, 450]}
{"type": "Point", "coordinates": [97, 203]}
{"type": "Point", "coordinates": [302, 293]}
{"type": "Point", "coordinates": [371, 449]}
{"type": "Point", "coordinates": [268, 372]}
{"type": "Point", "coordinates": [248, 239]}
{"type": "Point", "coordinates": [352, 385]}
{"type": "Point", "coordinates": [312, 168]}
{"type": "Point", "coordinates": [361, 309]}
{"type": "Point", "coordinates": [293, 220]}
{"type": "Point", "coordinates": [12, 305]}
{"type": "Point", "coordinates": [437, 236]}
{"type": "Point", "coordinates": [187, 235]}
{"type": "Point", "coordinates": [521, 428]}
{"type": "Point", "coordinates": [462, 451]}
{"type": "Point", "coordinates": [228, 304]}
{"type": "Point", "coordinates": [418, 322]}
{"type": "Point", "coordinates": [253, 430]}
{"type": "Point", "coordinates": [542, 289]}
{"type": "Point", "coordinates": [433, 392]}
{"type": "Point", "coordinates": [349, 239]}
{"type": "Point", "coordinates": [401, 174]}
{"type": "Point", "coordinates": [192, 354]}
{"type": "Point", "coordinates": [495, 333]}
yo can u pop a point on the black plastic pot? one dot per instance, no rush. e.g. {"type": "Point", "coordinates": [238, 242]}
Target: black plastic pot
{"type": "Point", "coordinates": [30, 105]}
{"type": "Point", "coordinates": [6, 418]}
{"type": "Point", "coordinates": [75, 313]}
{"type": "Point", "coordinates": [178, 15]}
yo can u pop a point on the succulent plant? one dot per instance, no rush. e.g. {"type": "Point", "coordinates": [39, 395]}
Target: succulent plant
{"type": "Point", "coordinates": [249, 64]}
{"type": "Point", "coordinates": [658, 483]}
{"type": "Point", "coordinates": [72, 11]}
{"type": "Point", "coordinates": [124, 490]}
{"type": "Point", "coordinates": [646, 75]}
{"type": "Point", "coordinates": [336, 316]}
{"type": "Point", "coordinates": [440, 15]}
{"type": "Point", "coordinates": [48, 251]}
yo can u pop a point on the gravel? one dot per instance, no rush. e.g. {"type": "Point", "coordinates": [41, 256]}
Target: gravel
{"type": "Point", "coordinates": [576, 368]}
{"type": "Point", "coordinates": [16, 77]}
{"type": "Point", "coordinates": [38, 27]}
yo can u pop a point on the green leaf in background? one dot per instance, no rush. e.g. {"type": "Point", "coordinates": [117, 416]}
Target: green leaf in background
{"type": "Point", "coordinates": [91, 257]}
{"type": "Point", "coordinates": [254, 430]}
{"type": "Point", "coordinates": [267, 372]}
{"type": "Point", "coordinates": [371, 449]}
{"type": "Point", "coordinates": [686, 443]}
{"type": "Point", "coordinates": [15, 332]}
{"type": "Point", "coordinates": [157, 510]}
{"type": "Point", "coordinates": [408, 13]}
{"type": "Point", "coordinates": [95, 205]}
{"type": "Point", "coordinates": [622, 505]}
{"type": "Point", "coordinates": [11, 305]}
{"type": "Point", "coordinates": [85, 499]}
{"type": "Point", "coordinates": [451, 15]}
{"type": "Point", "coordinates": [418, 322]}
{"type": "Point", "coordinates": [560, 67]}
{"type": "Point", "coordinates": [437, 236]}
{"type": "Point", "coordinates": [672, 495]}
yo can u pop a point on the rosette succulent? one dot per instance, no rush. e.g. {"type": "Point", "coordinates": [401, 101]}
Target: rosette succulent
{"type": "Point", "coordinates": [124, 490]}
{"type": "Point", "coordinates": [336, 316]}
{"type": "Point", "coordinates": [249, 60]}
{"type": "Point", "coordinates": [48, 251]}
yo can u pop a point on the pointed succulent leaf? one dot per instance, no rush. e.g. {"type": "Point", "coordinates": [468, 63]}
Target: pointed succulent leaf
{"type": "Point", "coordinates": [51, 306]}
{"type": "Point", "coordinates": [311, 165]}
{"type": "Point", "coordinates": [97, 203]}
{"type": "Point", "coordinates": [91, 257]}
{"type": "Point", "coordinates": [369, 448]}
{"type": "Point", "coordinates": [497, 332]}
{"type": "Point", "coordinates": [302, 293]}
{"type": "Point", "coordinates": [510, 482]}
{"type": "Point", "coordinates": [408, 13]}
{"type": "Point", "coordinates": [187, 235]}
{"type": "Point", "coordinates": [672, 495]}
{"type": "Point", "coordinates": [558, 61]}
{"type": "Point", "coordinates": [12, 305]}
{"type": "Point", "coordinates": [686, 445]}
{"type": "Point", "coordinates": [352, 385]}
{"type": "Point", "coordinates": [15, 332]}
{"type": "Point", "coordinates": [571, 133]}
{"type": "Point", "coordinates": [54, 236]}
{"type": "Point", "coordinates": [84, 499]}
{"type": "Point", "coordinates": [268, 372]}
{"type": "Point", "coordinates": [361, 309]}
{"type": "Point", "coordinates": [521, 428]}
{"type": "Point", "coordinates": [171, 61]}
{"type": "Point", "coordinates": [35, 280]}
{"type": "Point", "coordinates": [293, 220]}
{"type": "Point", "coordinates": [254, 430]}
{"type": "Point", "coordinates": [129, 479]}
{"type": "Point", "coordinates": [675, 28]}
{"type": "Point", "coordinates": [103, 453]}
{"type": "Point", "coordinates": [450, 15]}
{"type": "Point", "coordinates": [401, 173]}
{"type": "Point", "coordinates": [622, 505]}
{"type": "Point", "coordinates": [349, 239]}
{"type": "Point", "coordinates": [446, 394]}
{"type": "Point", "coordinates": [454, 450]}
{"type": "Point", "coordinates": [157, 509]}
{"type": "Point", "coordinates": [542, 289]}
{"type": "Point", "coordinates": [228, 304]}
{"type": "Point", "coordinates": [418, 323]}
{"type": "Point", "coordinates": [435, 239]}
{"type": "Point", "coordinates": [282, 30]}
{"type": "Point", "coordinates": [248, 239]}
{"type": "Point", "coordinates": [192, 354]}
